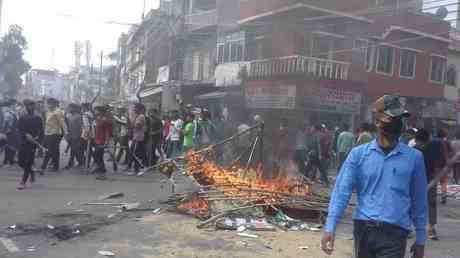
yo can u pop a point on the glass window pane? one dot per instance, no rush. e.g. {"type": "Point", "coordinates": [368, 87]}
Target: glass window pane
{"type": "Point", "coordinates": [385, 59]}
{"type": "Point", "coordinates": [408, 63]}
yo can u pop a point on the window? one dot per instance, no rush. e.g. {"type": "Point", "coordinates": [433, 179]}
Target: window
{"type": "Point", "coordinates": [361, 47]}
{"type": "Point", "coordinates": [230, 48]}
{"type": "Point", "coordinates": [437, 69]}
{"type": "Point", "coordinates": [370, 57]}
{"type": "Point", "coordinates": [220, 53]}
{"type": "Point", "coordinates": [385, 60]}
{"type": "Point", "coordinates": [407, 66]}
{"type": "Point", "coordinates": [322, 47]}
{"type": "Point", "coordinates": [451, 76]}
{"type": "Point", "coordinates": [236, 52]}
{"type": "Point", "coordinates": [261, 48]}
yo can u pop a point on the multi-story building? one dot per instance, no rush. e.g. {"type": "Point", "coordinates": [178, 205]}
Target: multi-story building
{"type": "Point", "coordinates": [144, 50]}
{"type": "Point", "coordinates": [121, 66]}
{"type": "Point", "coordinates": [320, 61]}
{"type": "Point", "coordinates": [327, 61]}
{"type": "Point", "coordinates": [43, 83]}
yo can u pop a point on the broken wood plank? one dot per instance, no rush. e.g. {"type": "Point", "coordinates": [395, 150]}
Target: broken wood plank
{"type": "Point", "coordinates": [111, 196]}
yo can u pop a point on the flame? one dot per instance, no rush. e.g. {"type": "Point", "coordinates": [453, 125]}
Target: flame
{"type": "Point", "coordinates": [195, 206]}
{"type": "Point", "coordinates": [238, 181]}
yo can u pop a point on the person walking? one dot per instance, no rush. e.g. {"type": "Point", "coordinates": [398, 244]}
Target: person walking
{"type": "Point", "coordinates": [87, 133]}
{"type": "Point", "coordinates": [174, 137]}
{"type": "Point", "coordinates": [156, 132]}
{"type": "Point", "coordinates": [430, 155]}
{"type": "Point", "coordinates": [206, 130]}
{"type": "Point", "coordinates": [455, 145]}
{"type": "Point", "coordinates": [9, 128]}
{"type": "Point", "coordinates": [282, 149]}
{"type": "Point", "coordinates": [315, 159]}
{"type": "Point", "coordinates": [301, 148]}
{"type": "Point", "coordinates": [75, 128]}
{"type": "Point", "coordinates": [189, 129]}
{"type": "Point", "coordinates": [122, 137]}
{"type": "Point", "coordinates": [345, 143]}
{"type": "Point", "coordinates": [30, 128]}
{"type": "Point", "coordinates": [390, 181]}
{"type": "Point", "coordinates": [102, 136]}
{"type": "Point", "coordinates": [365, 135]}
{"type": "Point", "coordinates": [138, 149]}
{"type": "Point", "coordinates": [55, 128]}
{"type": "Point", "coordinates": [447, 153]}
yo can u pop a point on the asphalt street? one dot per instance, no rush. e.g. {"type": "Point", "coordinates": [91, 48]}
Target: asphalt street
{"type": "Point", "coordinates": [49, 220]}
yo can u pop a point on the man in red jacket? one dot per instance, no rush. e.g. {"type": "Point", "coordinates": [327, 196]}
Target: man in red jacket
{"type": "Point", "coordinates": [103, 134]}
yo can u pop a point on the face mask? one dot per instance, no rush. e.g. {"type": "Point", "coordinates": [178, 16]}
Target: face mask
{"type": "Point", "coordinates": [394, 128]}
{"type": "Point", "coordinates": [389, 132]}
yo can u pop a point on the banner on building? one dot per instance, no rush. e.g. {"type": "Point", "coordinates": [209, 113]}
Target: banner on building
{"type": "Point", "coordinates": [271, 97]}
{"type": "Point", "coordinates": [333, 100]}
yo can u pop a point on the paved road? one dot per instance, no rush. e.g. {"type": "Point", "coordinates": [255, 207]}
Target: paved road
{"type": "Point", "coordinates": [55, 200]}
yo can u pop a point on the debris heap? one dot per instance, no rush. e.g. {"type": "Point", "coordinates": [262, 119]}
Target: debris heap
{"type": "Point", "coordinates": [241, 191]}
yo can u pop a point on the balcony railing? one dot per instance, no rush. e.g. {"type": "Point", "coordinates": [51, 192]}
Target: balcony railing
{"type": "Point", "coordinates": [299, 65]}
{"type": "Point", "coordinates": [200, 20]}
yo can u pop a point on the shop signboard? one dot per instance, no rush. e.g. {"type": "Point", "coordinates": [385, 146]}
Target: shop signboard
{"type": "Point", "coordinates": [271, 97]}
{"type": "Point", "coordinates": [333, 100]}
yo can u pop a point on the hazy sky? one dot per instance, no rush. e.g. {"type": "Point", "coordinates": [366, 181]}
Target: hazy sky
{"type": "Point", "coordinates": [49, 29]}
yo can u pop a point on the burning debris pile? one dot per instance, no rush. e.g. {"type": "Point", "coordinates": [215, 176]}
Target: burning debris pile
{"type": "Point", "coordinates": [230, 196]}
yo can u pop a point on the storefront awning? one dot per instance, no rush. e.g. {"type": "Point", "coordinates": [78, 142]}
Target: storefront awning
{"type": "Point", "coordinates": [449, 122]}
{"type": "Point", "coordinates": [147, 92]}
{"type": "Point", "coordinates": [217, 95]}
{"type": "Point", "coordinates": [212, 95]}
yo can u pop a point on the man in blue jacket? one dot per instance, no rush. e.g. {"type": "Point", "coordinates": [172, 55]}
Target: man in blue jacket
{"type": "Point", "coordinates": [390, 182]}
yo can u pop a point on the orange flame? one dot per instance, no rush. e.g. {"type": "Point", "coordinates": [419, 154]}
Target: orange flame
{"type": "Point", "coordinates": [195, 206]}
{"type": "Point", "coordinates": [236, 180]}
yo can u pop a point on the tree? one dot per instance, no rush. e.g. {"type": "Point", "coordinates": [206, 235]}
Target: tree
{"type": "Point", "coordinates": [12, 62]}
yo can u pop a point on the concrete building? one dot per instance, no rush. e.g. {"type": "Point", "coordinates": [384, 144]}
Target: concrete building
{"type": "Point", "coordinates": [43, 83]}
{"type": "Point", "coordinates": [320, 61]}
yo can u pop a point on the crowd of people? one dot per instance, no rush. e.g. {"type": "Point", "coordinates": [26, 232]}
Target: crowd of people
{"type": "Point", "coordinates": [128, 135]}
{"type": "Point", "coordinates": [386, 165]}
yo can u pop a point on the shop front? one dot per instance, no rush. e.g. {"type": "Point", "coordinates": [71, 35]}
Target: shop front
{"type": "Point", "coordinates": [333, 107]}
{"type": "Point", "coordinates": [151, 96]}
{"type": "Point", "coordinates": [332, 103]}
{"type": "Point", "coordinates": [441, 114]}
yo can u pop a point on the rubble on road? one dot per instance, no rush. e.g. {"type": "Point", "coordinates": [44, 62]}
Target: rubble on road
{"type": "Point", "coordinates": [106, 253]}
{"type": "Point", "coordinates": [111, 196]}
{"type": "Point", "coordinates": [229, 198]}
{"type": "Point", "coordinates": [131, 206]}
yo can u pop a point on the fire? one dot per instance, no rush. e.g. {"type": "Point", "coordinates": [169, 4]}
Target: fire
{"type": "Point", "coordinates": [196, 206]}
{"type": "Point", "coordinates": [237, 181]}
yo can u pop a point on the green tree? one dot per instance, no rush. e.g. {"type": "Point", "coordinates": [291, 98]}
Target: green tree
{"type": "Point", "coordinates": [12, 62]}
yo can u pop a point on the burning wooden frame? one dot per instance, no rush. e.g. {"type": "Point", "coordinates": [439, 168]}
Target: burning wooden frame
{"type": "Point", "coordinates": [241, 189]}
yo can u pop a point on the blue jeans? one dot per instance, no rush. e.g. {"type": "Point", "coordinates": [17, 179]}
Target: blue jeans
{"type": "Point", "coordinates": [175, 149]}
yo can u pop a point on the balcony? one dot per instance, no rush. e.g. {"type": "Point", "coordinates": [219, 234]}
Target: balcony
{"type": "Point", "coordinates": [230, 74]}
{"type": "Point", "coordinates": [300, 66]}
{"type": "Point", "coordinates": [200, 20]}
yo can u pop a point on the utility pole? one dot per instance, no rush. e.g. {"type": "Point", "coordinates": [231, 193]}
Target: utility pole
{"type": "Point", "coordinates": [143, 11]}
{"type": "Point", "coordinates": [1, 16]}
{"type": "Point", "coordinates": [100, 73]}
